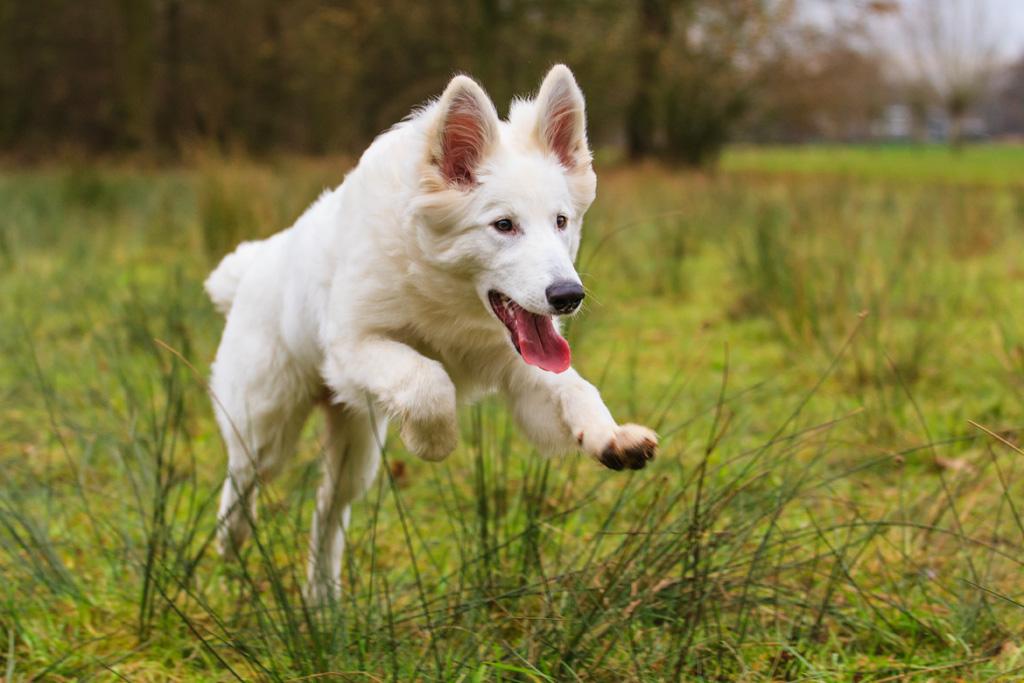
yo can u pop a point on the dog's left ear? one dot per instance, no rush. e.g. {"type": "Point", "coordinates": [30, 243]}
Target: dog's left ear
{"type": "Point", "coordinates": [561, 118]}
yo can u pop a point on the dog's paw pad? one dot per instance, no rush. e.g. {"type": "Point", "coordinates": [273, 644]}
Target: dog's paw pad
{"type": "Point", "coordinates": [631, 447]}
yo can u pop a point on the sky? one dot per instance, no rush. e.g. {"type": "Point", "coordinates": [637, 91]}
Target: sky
{"type": "Point", "coordinates": [1005, 16]}
{"type": "Point", "coordinates": [1010, 14]}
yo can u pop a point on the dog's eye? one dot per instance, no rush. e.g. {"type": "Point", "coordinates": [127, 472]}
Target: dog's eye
{"type": "Point", "coordinates": [504, 225]}
{"type": "Point", "coordinates": [561, 221]}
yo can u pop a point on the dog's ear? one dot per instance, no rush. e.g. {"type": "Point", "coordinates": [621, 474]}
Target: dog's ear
{"type": "Point", "coordinates": [561, 117]}
{"type": "Point", "coordinates": [467, 128]}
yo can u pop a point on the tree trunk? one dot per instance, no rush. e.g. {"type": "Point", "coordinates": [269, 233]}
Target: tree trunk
{"type": "Point", "coordinates": [168, 117]}
{"type": "Point", "coordinates": [956, 131]}
{"type": "Point", "coordinates": [654, 32]}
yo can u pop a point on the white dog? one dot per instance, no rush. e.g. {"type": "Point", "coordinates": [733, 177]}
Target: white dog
{"type": "Point", "coordinates": [432, 273]}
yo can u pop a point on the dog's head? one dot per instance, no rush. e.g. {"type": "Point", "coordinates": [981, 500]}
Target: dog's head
{"type": "Point", "coordinates": [503, 203]}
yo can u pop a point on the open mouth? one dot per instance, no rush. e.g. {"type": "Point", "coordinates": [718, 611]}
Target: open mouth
{"type": "Point", "coordinates": [534, 336]}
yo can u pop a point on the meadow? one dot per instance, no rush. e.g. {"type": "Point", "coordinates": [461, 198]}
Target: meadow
{"type": "Point", "coordinates": [828, 340]}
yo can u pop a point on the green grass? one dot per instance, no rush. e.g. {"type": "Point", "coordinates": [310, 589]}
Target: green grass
{"type": "Point", "coordinates": [813, 350]}
{"type": "Point", "coordinates": [988, 165]}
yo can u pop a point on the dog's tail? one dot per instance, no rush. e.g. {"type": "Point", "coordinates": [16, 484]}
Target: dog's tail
{"type": "Point", "coordinates": [222, 284]}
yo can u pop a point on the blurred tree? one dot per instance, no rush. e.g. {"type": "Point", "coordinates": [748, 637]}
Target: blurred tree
{"type": "Point", "coordinates": [710, 73]}
{"type": "Point", "coordinates": [1007, 108]}
{"type": "Point", "coordinates": [949, 47]}
{"type": "Point", "coordinates": [695, 64]}
{"type": "Point", "coordinates": [819, 83]}
{"type": "Point", "coordinates": [670, 79]}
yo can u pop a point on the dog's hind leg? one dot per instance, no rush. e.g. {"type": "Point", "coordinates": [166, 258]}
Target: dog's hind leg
{"type": "Point", "coordinates": [252, 462]}
{"type": "Point", "coordinates": [261, 405]}
{"type": "Point", "coordinates": [350, 463]}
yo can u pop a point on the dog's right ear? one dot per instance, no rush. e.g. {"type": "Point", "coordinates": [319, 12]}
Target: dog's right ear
{"type": "Point", "coordinates": [466, 130]}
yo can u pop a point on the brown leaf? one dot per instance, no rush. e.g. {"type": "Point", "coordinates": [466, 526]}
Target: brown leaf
{"type": "Point", "coordinates": [399, 473]}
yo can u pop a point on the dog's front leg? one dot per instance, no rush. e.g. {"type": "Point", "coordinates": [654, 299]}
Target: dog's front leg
{"type": "Point", "coordinates": [563, 412]}
{"type": "Point", "coordinates": [409, 387]}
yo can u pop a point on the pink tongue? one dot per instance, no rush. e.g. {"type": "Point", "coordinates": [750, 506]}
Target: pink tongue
{"type": "Point", "coordinates": [539, 343]}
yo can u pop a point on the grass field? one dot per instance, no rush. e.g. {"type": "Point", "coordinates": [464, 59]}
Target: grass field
{"type": "Point", "coordinates": [829, 341]}
{"type": "Point", "coordinates": [990, 165]}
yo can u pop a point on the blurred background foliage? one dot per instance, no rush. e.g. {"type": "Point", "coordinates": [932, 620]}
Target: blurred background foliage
{"type": "Point", "coordinates": [674, 79]}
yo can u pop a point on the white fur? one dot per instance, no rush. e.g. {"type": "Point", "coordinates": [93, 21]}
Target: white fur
{"type": "Point", "coordinates": [374, 305]}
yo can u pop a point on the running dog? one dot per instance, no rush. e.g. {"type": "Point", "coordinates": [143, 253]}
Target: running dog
{"type": "Point", "coordinates": [434, 273]}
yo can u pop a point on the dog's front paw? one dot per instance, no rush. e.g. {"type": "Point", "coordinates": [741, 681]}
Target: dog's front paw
{"type": "Point", "coordinates": [631, 446]}
{"type": "Point", "coordinates": [431, 438]}
{"type": "Point", "coordinates": [426, 412]}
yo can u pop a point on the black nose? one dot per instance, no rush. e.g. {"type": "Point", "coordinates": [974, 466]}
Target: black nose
{"type": "Point", "coordinates": [564, 296]}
